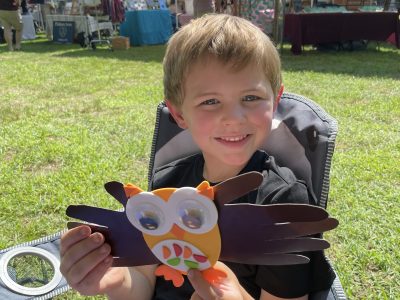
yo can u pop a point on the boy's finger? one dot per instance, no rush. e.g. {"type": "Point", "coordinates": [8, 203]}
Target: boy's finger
{"type": "Point", "coordinates": [80, 250]}
{"type": "Point", "coordinates": [202, 287]}
{"type": "Point", "coordinates": [93, 279]}
{"type": "Point", "coordinates": [80, 270]}
{"type": "Point", "coordinates": [73, 236]}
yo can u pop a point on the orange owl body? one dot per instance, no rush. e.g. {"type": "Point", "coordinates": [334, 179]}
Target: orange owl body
{"type": "Point", "coordinates": [180, 227]}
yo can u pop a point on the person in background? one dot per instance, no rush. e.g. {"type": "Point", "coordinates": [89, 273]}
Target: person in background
{"type": "Point", "coordinates": [176, 8]}
{"type": "Point", "coordinates": [24, 7]}
{"type": "Point", "coordinates": [173, 11]}
{"type": "Point", "coordinates": [202, 7]}
{"type": "Point", "coordinates": [227, 6]}
{"type": "Point", "coordinates": [10, 17]}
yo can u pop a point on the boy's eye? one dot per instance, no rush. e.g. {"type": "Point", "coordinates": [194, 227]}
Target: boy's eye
{"type": "Point", "coordinates": [251, 98]}
{"type": "Point", "coordinates": [209, 102]}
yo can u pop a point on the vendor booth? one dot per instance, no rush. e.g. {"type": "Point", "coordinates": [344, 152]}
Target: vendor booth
{"type": "Point", "coordinates": [320, 28]}
{"type": "Point", "coordinates": [86, 20]}
{"type": "Point", "coordinates": [336, 23]}
{"type": "Point", "coordinates": [147, 27]}
{"type": "Point", "coordinates": [85, 24]}
{"type": "Point", "coordinates": [147, 22]}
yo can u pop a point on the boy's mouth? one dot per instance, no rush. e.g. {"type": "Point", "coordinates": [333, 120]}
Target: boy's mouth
{"type": "Point", "coordinates": [233, 138]}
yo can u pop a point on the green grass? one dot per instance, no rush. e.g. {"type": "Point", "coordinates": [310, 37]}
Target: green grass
{"type": "Point", "coordinates": [72, 119]}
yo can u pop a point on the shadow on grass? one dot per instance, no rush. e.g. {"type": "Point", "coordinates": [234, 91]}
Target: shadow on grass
{"type": "Point", "coordinates": [42, 45]}
{"type": "Point", "coordinates": [377, 60]}
{"type": "Point", "coordinates": [144, 53]}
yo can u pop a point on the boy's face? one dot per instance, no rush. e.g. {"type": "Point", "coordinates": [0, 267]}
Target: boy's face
{"type": "Point", "coordinates": [229, 114]}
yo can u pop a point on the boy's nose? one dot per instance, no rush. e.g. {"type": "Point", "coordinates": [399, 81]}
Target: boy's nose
{"type": "Point", "coordinates": [233, 115]}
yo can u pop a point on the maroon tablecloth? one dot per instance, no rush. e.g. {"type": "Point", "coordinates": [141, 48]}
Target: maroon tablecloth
{"type": "Point", "coordinates": [315, 28]}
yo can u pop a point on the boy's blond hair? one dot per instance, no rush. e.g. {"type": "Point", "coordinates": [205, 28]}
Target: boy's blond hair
{"type": "Point", "coordinates": [230, 39]}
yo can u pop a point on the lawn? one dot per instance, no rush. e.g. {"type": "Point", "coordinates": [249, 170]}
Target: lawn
{"type": "Point", "coordinates": [72, 119]}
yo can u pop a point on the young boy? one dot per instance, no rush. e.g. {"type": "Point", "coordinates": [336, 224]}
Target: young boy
{"type": "Point", "coordinates": [222, 82]}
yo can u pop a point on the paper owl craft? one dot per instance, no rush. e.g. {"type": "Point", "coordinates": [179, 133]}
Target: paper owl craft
{"type": "Point", "coordinates": [192, 228]}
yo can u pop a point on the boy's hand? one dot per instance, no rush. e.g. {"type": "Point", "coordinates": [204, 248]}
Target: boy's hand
{"type": "Point", "coordinates": [227, 288]}
{"type": "Point", "coordinates": [86, 262]}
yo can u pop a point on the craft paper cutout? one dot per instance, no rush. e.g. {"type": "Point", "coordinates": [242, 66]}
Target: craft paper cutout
{"type": "Point", "coordinates": [179, 226]}
{"type": "Point", "coordinates": [192, 228]}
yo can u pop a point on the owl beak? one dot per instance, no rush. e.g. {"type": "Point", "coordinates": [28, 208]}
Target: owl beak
{"type": "Point", "coordinates": [177, 231]}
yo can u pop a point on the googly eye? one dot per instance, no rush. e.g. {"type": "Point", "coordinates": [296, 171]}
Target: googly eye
{"type": "Point", "coordinates": [146, 212]}
{"type": "Point", "coordinates": [195, 212]}
{"type": "Point", "coordinates": [191, 217]}
{"type": "Point", "coordinates": [148, 219]}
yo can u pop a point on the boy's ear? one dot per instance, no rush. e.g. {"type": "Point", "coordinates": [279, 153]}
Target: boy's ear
{"type": "Point", "coordinates": [176, 113]}
{"type": "Point", "coordinates": [278, 97]}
